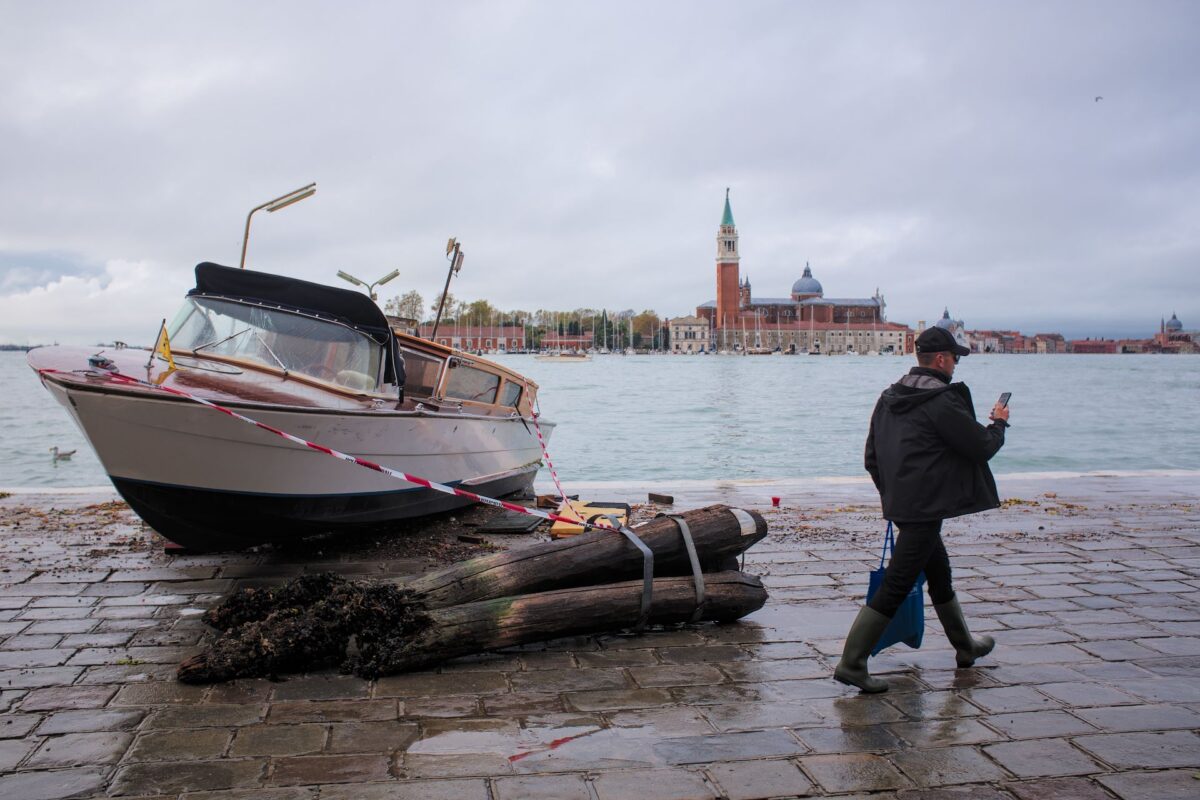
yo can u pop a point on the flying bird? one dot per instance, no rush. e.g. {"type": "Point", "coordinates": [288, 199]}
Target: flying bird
{"type": "Point", "coordinates": [61, 455]}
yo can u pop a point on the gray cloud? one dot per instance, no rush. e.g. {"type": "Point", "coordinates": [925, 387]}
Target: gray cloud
{"type": "Point", "coordinates": [20, 272]}
{"type": "Point", "coordinates": [949, 153]}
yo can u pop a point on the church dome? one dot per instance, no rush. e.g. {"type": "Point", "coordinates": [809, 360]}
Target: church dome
{"type": "Point", "coordinates": [945, 321]}
{"type": "Point", "coordinates": [1173, 324]}
{"type": "Point", "coordinates": [807, 284]}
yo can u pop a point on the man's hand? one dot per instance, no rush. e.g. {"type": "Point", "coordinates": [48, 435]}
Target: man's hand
{"type": "Point", "coordinates": [999, 412]}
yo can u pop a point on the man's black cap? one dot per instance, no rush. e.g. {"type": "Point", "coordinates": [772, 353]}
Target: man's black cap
{"type": "Point", "coordinates": [940, 340]}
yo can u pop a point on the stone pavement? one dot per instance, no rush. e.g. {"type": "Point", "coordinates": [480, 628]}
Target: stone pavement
{"type": "Point", "coordinates": [1091, 588]}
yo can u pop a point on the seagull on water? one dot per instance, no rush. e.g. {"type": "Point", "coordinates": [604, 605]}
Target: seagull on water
{"type": "Point", "coordinates": [61, 455]}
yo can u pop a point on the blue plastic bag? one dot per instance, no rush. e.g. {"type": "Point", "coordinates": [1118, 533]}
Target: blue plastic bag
{"type": "Point", "coordinates": [908, 626]}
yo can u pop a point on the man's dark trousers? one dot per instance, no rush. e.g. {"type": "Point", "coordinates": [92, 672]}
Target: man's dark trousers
{"type": "Point", "coordinates": [918, 549]}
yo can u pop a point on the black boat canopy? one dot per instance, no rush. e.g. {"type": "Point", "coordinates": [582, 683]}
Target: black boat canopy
{"type": "Point", "coordinates": [304, 297]}
{"type": "Point", "coordinates": [292, 294]}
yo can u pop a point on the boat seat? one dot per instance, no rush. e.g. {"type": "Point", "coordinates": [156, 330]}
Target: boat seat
{"type": "Point", "coordinates": [352, 379]}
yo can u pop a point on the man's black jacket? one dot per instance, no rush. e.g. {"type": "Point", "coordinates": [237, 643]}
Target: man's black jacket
{"type": "Point", "coordinates": [926, 452]}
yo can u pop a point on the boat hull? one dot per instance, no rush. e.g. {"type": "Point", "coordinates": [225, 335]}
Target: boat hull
{"type": "Point", "coordinates": [207, 520]}
{"type": "Point", "coordinates": [209, 481]}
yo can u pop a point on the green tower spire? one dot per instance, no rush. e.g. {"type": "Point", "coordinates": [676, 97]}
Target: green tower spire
{"type": "Point", "coordinates": [727, 218]}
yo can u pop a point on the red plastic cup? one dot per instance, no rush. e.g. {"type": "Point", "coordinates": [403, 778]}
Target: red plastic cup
{"type": "Point", "coordinates": [775, 502]}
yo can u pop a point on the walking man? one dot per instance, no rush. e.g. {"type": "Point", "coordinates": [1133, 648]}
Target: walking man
{"type": "Point", "coordinates": [928, 457]}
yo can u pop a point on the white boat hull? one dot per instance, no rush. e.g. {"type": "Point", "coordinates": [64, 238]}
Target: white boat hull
{"type": "Point", "coordinates": [210, 481]}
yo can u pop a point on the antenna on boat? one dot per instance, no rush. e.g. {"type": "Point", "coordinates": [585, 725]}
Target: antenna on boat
{"type": "Point", "coordinates": [454, 255]}
{"type": "Point", "coordinates": [283, 201]}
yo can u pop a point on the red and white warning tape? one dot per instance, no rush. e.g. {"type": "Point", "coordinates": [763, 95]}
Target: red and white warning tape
{"type": "Point", "coordinates": [535, 412]}
{"type": "Point", "coordinates": [362, 462]}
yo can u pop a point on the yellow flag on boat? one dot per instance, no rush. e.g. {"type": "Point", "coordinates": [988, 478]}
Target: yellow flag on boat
{"type": "Point", "coordinates": [163, 346]}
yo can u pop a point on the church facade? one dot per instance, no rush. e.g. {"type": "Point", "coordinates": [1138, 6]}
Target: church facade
{"type": "Point", "coordinates": [803, 322]}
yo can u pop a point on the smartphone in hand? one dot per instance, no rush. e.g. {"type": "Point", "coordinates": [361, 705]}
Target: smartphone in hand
{"type": "Point", "coordinates": [1004, 398]}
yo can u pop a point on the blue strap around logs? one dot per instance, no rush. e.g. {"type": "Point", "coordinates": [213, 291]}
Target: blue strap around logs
{"type": "Point", "coordinates": [647, 567]}
{"type": "Point", "coordinates": [697, 573]}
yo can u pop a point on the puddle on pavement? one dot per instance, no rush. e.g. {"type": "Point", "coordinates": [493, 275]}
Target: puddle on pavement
{"type": "Point", "coordinates": [806, 621]}
{"type": "Point", "coordinates": [545, 746]}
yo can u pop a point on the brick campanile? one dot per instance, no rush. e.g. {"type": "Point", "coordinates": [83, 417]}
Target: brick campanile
{"type": "Point", "coordinates": [728, 292]}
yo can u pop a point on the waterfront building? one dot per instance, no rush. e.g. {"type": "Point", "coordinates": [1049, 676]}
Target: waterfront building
{"type": "Point", "coordinates": [954, 327]}
{"type": "Point", "coordinates": [479, 338]}
{"type": "Point", "coordinates": [804, 322]}
{"type": "Point", "coordinates": [993, 341]}
{"type": "Point", "coordinates": [1172, 338]}
{"type": "Point", "coordinates": [1136, 346]}
{"type": "Point", "coordinates": [566, 341]}
{"type": "Point", "coordinates": [688, 334]}
{"type": "Point", "coordinates": [1093, 346]}
{"type": "Point", "coordinates": [984, 341]}
{"type": "Point", "coordinates": [1049, 343]}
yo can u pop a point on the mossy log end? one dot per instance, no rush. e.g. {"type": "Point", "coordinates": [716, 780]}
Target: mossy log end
{"type": "Point", "coordinates": [508, 621]}
{"type": "Point", "coordinates": [590, 559]}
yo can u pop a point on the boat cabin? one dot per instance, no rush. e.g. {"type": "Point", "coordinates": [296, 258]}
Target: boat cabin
{"type": "Point", "coordinates": [333, 339]}
{"type": "Point", "coordinates": [443, 375]}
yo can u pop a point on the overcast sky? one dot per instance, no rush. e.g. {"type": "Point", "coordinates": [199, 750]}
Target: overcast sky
{"type": "Point", "coordinates": [952, 154]}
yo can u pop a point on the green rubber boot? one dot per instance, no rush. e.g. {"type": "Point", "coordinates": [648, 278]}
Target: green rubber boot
{"type": "Point", "coordinates": [868, 626]}
{"type": "Point", "coordinates": [966, 647]}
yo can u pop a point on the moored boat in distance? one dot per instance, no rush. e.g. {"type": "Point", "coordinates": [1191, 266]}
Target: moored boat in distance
{"type": "Point", "coordinates": [315, 361]}
{"type": "Point", "coordinates": [566, 357]}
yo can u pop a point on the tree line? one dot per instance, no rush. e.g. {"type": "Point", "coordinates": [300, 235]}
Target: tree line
{"type": "Point", "coordinates": [607, 329]}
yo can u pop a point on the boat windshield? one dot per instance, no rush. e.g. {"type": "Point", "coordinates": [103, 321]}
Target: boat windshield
{"type": "Point", "coordinates": [281, 339]}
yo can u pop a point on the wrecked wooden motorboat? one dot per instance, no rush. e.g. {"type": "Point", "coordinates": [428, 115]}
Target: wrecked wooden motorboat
{"type": "Point", "coordinates": [320, 362]}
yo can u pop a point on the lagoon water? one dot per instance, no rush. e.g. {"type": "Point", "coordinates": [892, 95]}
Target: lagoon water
{"type": "Point", "coordinates": [648, 418]}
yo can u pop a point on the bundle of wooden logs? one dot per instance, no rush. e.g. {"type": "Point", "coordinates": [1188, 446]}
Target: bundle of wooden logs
{"type": "Point", "coordinates": [589, 584]}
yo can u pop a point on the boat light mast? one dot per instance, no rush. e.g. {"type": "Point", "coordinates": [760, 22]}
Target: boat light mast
{"type": "Point", "coordinates": [283, 201]}
{"type": "Point", "coordinates": [454, 255]}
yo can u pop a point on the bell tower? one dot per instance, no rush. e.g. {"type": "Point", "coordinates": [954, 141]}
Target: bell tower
{"type": "Point", "coordinates": [728, 284]}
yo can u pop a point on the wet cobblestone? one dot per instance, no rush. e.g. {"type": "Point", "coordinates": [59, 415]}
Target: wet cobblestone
{"type": "Point", "coordinates": [1092, 692]}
